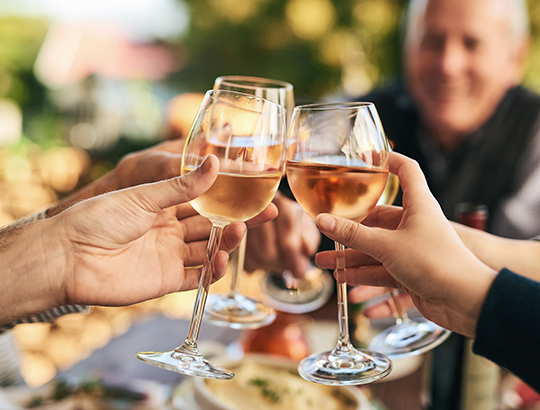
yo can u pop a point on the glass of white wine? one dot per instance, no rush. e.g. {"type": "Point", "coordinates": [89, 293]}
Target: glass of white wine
{"type": "Point", "coordinates": [407, 336]}
{"type": "Point", "coordinates": [280, 290]}
{"type": "Point", "coordinates": [233, 309]}
{"type": "Point", "coordinates": [246, 133]}
{"type": "Point", "coordinates": [337, 163]}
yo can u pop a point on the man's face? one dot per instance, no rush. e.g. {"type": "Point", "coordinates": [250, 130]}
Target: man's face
{"type": "Point", "coordinates": [459, 62]}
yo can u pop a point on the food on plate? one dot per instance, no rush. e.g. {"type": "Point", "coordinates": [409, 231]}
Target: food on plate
{"type": "Point", "coordinates": [265, 387]}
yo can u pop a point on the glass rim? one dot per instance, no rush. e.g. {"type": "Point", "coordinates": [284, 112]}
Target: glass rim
{"type": "Point", "coordinates": [212, 94]}
{"type": "Point", "coordinates": [334, 105]}
{"type": "Point", "coordinates": [252, 82]}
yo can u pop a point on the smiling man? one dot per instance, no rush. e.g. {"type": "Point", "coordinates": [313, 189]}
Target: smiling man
{"type": "Point", "coordinates": [461, 113]}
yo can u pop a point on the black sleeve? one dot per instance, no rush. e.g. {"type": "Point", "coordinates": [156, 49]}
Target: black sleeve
{"type": "Point", "coordinates": [508, 329]}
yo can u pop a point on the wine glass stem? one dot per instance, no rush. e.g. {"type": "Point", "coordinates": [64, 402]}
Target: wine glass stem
{"type": "Point", "coordinates": [238, 267]}
{"type": "Point", "coordinates": [400, 315]}
{"type": "Point", "coordinates": [343, 316]}
{"type": "Point", "coordinates": [204, 284]}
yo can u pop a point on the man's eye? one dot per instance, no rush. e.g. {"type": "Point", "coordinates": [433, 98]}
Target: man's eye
{"type": "Point", "coordinates": [471, 44]}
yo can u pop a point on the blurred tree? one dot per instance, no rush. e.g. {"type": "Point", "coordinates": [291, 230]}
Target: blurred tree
{"type": "Point", "coordinates": [317, 45]}
{"type": "Point", "coordinates": [20, 41]}
{"type": "Point", "coordinates": [320, 46]}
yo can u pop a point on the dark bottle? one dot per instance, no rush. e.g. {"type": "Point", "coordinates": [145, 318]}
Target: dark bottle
{"type": "Point", "coordinates": [460, 379]}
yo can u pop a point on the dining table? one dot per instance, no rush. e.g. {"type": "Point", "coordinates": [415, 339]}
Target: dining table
{"type": "Point", "coordinates": [116, 362]}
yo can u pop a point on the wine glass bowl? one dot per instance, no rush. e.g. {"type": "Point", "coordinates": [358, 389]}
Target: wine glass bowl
{"type": "Point", "coordinates": [337, 163]}
{"type": "Point", "coordinates": [246, 134]}
{"type": "Point", "coordinates": [233, 309]}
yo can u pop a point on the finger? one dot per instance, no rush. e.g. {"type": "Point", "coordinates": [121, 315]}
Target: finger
{"type": "Point", "coordinates": [351, 234]}
{"type": "Point", "coordinates": [370, 276]}
{"type": "Point", "coordinates": [261, 248]}
{"type": "Point", "coordinates": [192, 276]}
{"type": "Point", "coordinates": [232, 236]}
{"type": "Point", "coordinates": [267, 215]}
{"type": "Point", "coordinates": [173, 146]}
{"type": "Point", "coordinates": [384, 216]}
{"type": "Point", "coordinates": [412, 180]}
{"type": "Point", "coordinates": [161, 195]}
{"type": "Point", "coordinates": [360, 294]}
{"type": "Point", "coordinates": [195, 253]}
{"type": "Point", "coordinates": [327, 259]}
{"type": "Point", "coordinates": [383, 309]}
{"type": "Point", "coordinates": [379, 311]}
{"type": "Point", "coordinates": [185, 211]}
{"type": "Point", "coordinates": [195, 228]}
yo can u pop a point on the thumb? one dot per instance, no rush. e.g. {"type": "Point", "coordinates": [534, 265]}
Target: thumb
{"type": "Point", "coordinates": [164, 194]}
{"type": "Point", "coordinates": [349, 233]}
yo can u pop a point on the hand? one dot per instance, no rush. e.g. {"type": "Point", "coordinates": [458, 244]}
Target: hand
{"type": "Point", "coordinates": [157, 163]}
{"type": "Point", "coordinates": [413, 248]}
{"type": "Point", "coordinates": [133, 245]}
{"type": "Point", "coordinates": [287, 242]}
{"type": "Point", "coordinates": [361, 293]}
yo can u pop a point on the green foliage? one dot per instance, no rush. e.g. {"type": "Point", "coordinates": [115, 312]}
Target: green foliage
{"type": "Point", "coordinates": [20, 41]}
{"type": "Point", "coordinates": [266, 39]}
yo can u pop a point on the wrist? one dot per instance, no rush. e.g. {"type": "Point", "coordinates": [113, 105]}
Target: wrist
{"type": "Point", "coordinates": [32, 270]}
{"type": "Point", "coordinates": [468, 298]}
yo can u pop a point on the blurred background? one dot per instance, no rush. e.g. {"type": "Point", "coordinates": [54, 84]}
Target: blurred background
{"type": "Point", "coordinates": [84, 82]}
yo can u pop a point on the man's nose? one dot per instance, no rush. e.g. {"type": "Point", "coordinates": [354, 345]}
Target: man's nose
{"type": "Point", "coordinates": [452, 59]}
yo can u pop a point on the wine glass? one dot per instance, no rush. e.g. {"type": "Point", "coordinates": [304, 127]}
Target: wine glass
{"type": "Point", "coordinates": [233, 309]}
{"type": "Point", "coordinates": [407, 336]}
{"type": "Point", "coordinates": [337, 163]}
{"type": "Point", "coordinates": [246, 133]}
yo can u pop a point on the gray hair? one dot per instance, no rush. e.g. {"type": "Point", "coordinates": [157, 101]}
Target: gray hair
{"type": "Point", "coordinates": [517, 10]}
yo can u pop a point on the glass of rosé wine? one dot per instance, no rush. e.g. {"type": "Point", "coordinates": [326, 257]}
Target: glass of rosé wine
{"type": "Point", "coordinates": [246, 134]}
{"type": "Point", "coordinates": [337, 163]}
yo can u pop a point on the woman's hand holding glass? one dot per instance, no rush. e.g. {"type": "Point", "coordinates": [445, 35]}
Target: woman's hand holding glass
{"type": "Point", "coordinates": [414, 249]}
{"type": "Point", "coordinates": [337, 163]}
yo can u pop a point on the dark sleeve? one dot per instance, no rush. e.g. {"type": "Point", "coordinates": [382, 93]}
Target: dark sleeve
{"type": "Point", "coordinates": [508, 330]}
{"type": "Point", "coordinates": [48, 316]}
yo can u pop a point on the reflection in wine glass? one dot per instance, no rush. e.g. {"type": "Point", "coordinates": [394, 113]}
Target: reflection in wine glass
{"type": "Point", "coordinates": [407, 337]}
{"type": "Point", "coordinates": [246, 133]}
{"type": "Point", "coordinates": [337, 158]}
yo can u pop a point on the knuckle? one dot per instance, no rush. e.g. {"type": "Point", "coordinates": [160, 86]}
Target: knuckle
{"type": "Point", "coordinates": [350, 232]}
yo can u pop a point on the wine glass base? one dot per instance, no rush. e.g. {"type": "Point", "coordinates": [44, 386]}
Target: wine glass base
{"type": "Point", "coordinates": [191, 365]}
{"type": "Point", "coordinates": [311, 294]}
{"type": "Point", "coordinates": [357, 367]}
{"type": "Point", "coordinates": [237, 311]}
{"type": "Point", "coordinates": [409, 338]}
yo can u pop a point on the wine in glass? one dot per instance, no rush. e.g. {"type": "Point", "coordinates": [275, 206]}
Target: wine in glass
{"type": "Point", "coordinates": [337, 163]}
{"type": "Point", "coordinates": [238, 311]}
{"type": "Point", "coordinates": [246, 133]}
{"type": "Point", "coordinates": [407, 336]}
{"type": "Point", "coordinates": [233, 309]}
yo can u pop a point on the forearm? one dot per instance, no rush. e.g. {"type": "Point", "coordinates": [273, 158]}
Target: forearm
{"type": "Point", "coordinates": [498, 253]}
{"type": "Point", "coordinates": [31, 270]}
{"type": "Point", "coordinates": [468, 288]}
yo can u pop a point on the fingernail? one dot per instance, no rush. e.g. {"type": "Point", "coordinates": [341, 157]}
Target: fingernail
{"type": "Point", "coordinates": [326, 223]}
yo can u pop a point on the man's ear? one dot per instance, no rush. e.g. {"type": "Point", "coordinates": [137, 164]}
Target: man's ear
{"type": "Point", "coordinates": [520, 57]}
